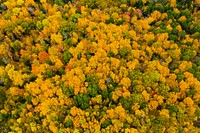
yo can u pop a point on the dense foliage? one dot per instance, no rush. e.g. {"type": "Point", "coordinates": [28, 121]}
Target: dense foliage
{"type": "Point", "coordinates": [99, 66]}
